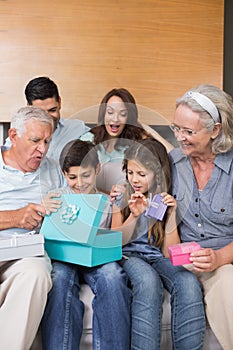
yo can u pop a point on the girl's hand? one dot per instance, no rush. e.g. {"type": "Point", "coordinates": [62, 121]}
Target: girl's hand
{"type": "Point", "coordinates": [51, 203]}
{"type": "Point", "coordinates": [168, 199]}
{"type": "Point", "coordinates": [137, 204]}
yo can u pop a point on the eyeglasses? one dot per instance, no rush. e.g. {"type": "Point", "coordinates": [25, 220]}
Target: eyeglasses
{"type": "Point", "coordinates": [186, 132]}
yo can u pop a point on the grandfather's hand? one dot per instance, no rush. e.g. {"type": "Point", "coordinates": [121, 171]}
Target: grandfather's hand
{"type": "Point", "coordinates": [205, 260]}
{"type": "Point", "coordinates": [28, 217]}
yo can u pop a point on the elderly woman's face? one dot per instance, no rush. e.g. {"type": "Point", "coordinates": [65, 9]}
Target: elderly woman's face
{"type": "Point", "coordinates": [193, 138]}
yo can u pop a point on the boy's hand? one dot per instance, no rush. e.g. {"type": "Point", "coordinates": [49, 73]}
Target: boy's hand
{"type": "Point", "coordinates": [51, 203]}
{"type": "Point", "coordinates": [117, 190]}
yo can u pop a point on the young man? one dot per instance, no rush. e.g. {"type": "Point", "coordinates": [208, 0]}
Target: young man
{"type": "Point", "coordinates": [43, 92]}
{"type": "Point", "coordinates": [26, 175]}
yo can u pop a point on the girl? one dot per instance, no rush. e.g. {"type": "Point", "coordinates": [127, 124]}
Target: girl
{"type": "Point", "coordinates": [145, 244]}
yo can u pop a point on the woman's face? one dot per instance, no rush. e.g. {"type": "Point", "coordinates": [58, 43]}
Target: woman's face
{"type": "Point", "coordinates": [115, 116]}
{"type": "Point", "coordinates": [193, 138]}
{"type": "Point", "coordinates": [140, 178]}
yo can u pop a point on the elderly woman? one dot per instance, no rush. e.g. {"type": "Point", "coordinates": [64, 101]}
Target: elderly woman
{"type": "Point", "coordinates": [203, 187]}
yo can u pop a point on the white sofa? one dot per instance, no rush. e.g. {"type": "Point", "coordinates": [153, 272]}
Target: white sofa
{"type": "Point", "coordinates": [210, 343]}
{"type": "Point", "coordinates": [86, 296]}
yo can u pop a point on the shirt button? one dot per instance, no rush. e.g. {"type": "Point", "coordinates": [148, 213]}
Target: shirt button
{"type": "Point", "coordinates": [199, 225]}
{"type": "Point", "coordinates": [202, 235]}
{"type": "Point", "coordinates": [222, 210]}
{"type": "Point", "coordinates": [196, 200]}
{"type": "Point", "coordinates": [196, 215]}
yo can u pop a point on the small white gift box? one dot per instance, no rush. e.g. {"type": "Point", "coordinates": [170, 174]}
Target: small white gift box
{"type": "Point", "coordinates": [17, 246]}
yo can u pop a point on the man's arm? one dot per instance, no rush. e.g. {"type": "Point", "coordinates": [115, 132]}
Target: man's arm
{"type": "Point", "coordinates": [28, 217]}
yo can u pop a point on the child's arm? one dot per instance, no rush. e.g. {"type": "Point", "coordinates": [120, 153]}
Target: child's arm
{"type": "Point", "coordinates": [51, 203]}
{"type": "Point", "coordinates": [171, 232]}
{"type": "Point", "coordinates": [137, 205]}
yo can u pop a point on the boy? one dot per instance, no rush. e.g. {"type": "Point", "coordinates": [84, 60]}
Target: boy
{"type": "Point", "coordinates": [63, 319]}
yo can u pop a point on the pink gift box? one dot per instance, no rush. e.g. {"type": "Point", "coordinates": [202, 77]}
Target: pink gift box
{"type": "Point", "coordinates": [180, 253]}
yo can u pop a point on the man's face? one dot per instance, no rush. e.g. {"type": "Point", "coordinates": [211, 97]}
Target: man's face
{"type": "Point", "coordinates": [32, 146]}
{"type": "Point", "coordinates": [51, 106]}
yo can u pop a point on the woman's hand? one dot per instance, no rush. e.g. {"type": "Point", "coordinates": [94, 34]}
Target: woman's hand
{"type": "Point", "coordinates": [51, 203]}
{"type": "Point", "coordinates": [206, 260]}
{"type": "Point", "coordinates": [137, 204]}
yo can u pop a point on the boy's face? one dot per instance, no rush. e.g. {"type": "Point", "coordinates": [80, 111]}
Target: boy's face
{"type": "Point", "coordinates": [81, 180]}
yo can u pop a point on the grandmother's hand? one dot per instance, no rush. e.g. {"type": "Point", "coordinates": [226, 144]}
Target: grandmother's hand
{"type": "Point", "coordinates": [205, 260]}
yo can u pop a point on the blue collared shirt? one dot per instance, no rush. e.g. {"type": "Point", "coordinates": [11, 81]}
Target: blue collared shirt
{"type": "Point", "coordinates": [18, 189]}
{"type": "Point", "coordinates": [204, 216]}
{"type": "Point", "coordinates": [111, 164]}
{"type": "Point", "coordinates": [67, 130]}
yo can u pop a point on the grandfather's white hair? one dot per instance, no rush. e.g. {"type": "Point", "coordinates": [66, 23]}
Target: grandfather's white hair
{"type": "Point", "coordinates": [30, 113]}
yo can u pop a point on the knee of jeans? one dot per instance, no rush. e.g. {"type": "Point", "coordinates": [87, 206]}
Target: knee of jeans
{"type": "Point", "coordinates": [111, 276]}
{"type": "Point", "coordinates": [188, 286]}
{"type": "Point", "coordinates": [143, 277]}
{"type": "Point", "coordinates": [62, 273]}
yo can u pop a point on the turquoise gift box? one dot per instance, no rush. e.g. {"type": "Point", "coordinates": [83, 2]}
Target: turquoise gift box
{"type": "Point", "coordinates": [72, 234]}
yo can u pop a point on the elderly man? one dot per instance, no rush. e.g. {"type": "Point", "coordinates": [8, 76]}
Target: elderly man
{"type": "Point", "coordinates": [26, 175]}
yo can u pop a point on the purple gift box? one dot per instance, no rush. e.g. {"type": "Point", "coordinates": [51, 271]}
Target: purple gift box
{"type": "Point", "coordinates": [156, 208]}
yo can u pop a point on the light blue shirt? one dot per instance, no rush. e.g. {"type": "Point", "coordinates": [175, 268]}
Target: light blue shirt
{"type": "Point", "coordinates": [204, 216]}
{"type": "Point", "coordinates": [18, 189]}
{"type": "Point", "coordinates": [111, 165]}
{"type": "Point", "coordinates": [67, 130]}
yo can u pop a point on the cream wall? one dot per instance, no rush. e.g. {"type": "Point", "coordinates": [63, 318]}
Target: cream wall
{"type": "Point", "coordinates": [155, 48]}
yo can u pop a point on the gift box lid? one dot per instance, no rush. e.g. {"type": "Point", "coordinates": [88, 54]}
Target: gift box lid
{"type": "Point", "coordinates": [20, 245]}
{"type": "Point", "coordinates": [183, 248]}
{"type": "Point", "coordinates": [77, 219]}
{"type": "Point", "coordinates": [20, 239]}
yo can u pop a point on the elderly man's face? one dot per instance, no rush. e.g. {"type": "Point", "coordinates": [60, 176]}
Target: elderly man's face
{"type": "Point", "coordinates": [32, 146]}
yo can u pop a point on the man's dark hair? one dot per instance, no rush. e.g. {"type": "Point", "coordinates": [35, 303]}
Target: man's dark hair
{"type": "Point", "coordinates": [41, 88]}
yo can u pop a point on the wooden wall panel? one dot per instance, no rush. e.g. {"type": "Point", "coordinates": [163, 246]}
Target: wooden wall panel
{"type": "Point", "coordinates": [155, 48]}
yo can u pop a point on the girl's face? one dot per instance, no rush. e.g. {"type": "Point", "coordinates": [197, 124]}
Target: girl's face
{"type": "Point", "coordinates": [140, 178]}
{"type": "Point", "coordinates": [81, 180]}
{"type": "Point", "coordinates": [115, 116]}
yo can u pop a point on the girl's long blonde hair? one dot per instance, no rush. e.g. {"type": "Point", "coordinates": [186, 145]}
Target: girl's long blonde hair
{"type": "Point", "coordinates": [153, 156]}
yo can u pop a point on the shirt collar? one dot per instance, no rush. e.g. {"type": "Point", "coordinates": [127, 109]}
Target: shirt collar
{"type": "Point", "coordinates": [222, 160]}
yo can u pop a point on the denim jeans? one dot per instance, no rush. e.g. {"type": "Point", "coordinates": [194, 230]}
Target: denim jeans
{"type": "Point", "coordinates": [148, 278]}
{"type": "Point", "coordinates": [62, 323]}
